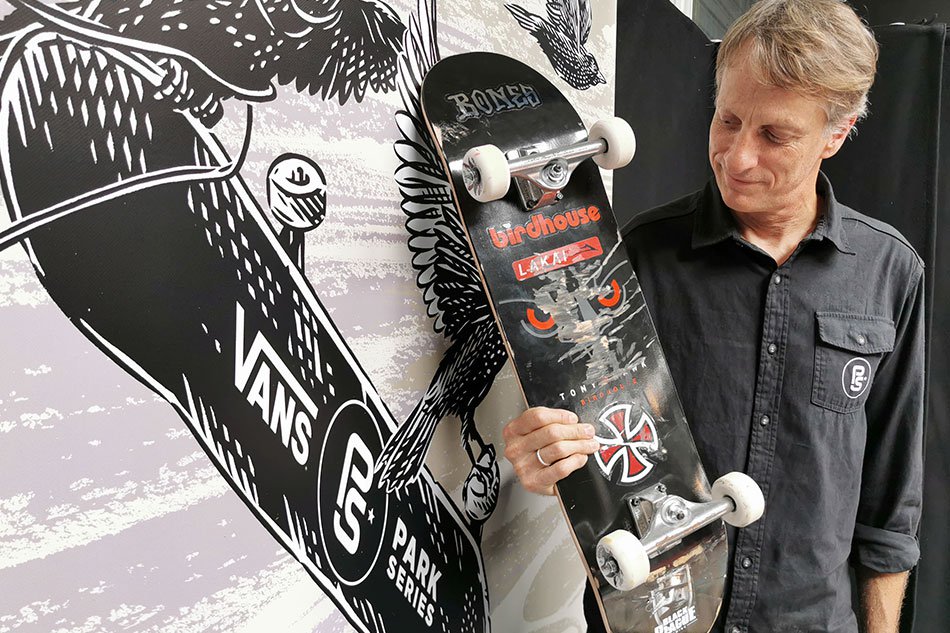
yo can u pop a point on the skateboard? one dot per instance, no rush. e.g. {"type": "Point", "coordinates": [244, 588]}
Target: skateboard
{"type": "Point", "coordinates": [524, 172]}
{"type": "Point", "coordinates": [143, 231]}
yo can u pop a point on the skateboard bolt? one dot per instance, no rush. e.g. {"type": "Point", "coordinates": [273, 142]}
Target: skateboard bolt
{"type": "Point", "coordinates": [674, 512]}
{"type": "Point", "coordinates": [554, 172]}
{"type": "Point", "coordinates": [661, 488]}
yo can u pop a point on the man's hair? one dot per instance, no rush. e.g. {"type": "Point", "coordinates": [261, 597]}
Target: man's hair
{"type": "Point", "coordinates": [818, 48]}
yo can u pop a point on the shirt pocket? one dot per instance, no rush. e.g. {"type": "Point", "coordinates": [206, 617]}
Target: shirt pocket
{"type": "Point", "coordinates": [848, 350]}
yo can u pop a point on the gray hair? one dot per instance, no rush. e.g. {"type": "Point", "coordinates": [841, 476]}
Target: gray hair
{"type": "Point", "coordinates": [818, 48]}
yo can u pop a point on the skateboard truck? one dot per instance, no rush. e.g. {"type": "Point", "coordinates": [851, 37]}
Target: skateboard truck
{"type": "Point", "coordinates": [540, 175]}
{"type": "Point", "coordinates": [662, 520]}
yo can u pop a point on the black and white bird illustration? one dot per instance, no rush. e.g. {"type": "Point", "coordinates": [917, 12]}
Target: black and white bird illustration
{"type": "Point", "coordinates": [452, 292]}
{"type": "Point", "coordinates": [331, 48]}
{"type": "Point", "coordinates": [563, 36]}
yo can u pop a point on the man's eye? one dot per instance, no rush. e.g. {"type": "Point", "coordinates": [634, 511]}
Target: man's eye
{"type": "Point", "coordinates": [775, 138]}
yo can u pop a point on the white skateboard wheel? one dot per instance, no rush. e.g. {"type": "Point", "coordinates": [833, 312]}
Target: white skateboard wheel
{"type": "Point", "coordinates": [620, 139]}
{"type": "Point", "coordinates": [486, 172]}
{"type": "Point", "coordinates": [623, 560]}
{"type": "Point", "coordinates": [744, 493]}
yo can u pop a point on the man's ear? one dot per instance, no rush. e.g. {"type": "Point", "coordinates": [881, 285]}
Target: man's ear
{"type": "Point", "coordinates": [839, 134]}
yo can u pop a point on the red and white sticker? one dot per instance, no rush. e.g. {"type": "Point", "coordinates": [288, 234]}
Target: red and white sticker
{"type": "Point", "coordinates": [559, 257]}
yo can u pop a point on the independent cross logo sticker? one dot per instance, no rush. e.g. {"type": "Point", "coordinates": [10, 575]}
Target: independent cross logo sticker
{"type": "Point", "coordinates": [624, 440]}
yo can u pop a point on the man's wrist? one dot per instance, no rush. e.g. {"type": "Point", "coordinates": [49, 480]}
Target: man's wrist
{"type": "Point", "coordinates": [881, 595]}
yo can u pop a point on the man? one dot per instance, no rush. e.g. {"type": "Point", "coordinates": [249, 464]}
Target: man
{"type": "Point", "coordinates": [793, 327]}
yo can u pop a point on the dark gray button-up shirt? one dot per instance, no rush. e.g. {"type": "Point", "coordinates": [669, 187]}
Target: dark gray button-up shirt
{"type": "Point", "coordinates": [808, 377]}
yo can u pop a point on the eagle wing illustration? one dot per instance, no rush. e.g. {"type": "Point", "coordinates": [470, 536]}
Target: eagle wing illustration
{"type": "Point", "coordinates": [355, 43]}
{"type": "Point", "coordinates": [572, 18]}
{"type": "Point", "coordinates": [451, 290]}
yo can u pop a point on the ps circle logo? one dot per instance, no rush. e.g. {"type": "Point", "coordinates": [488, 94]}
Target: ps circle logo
{"type": "Point", "coordinates": [352, 511]}
{"type": "Point", "coordinates": [856, 377]}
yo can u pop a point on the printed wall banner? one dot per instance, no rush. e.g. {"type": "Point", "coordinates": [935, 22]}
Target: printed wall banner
{"type": "Point", "coordinates": [249, 377]}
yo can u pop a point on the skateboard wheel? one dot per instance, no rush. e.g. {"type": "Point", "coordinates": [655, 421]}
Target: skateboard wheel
{"type": "Point", "coordinates": [620, 139]}
{"type": "Point", "coordinates": [486, 173]}
{"type": "Point", "coordinates": [623, 560]}
{"type": "Point", "coordinates": [744, 493]}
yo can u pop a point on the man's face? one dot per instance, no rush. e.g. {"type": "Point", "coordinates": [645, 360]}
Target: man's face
{"type": "Point", "coordinates": [766, 144]}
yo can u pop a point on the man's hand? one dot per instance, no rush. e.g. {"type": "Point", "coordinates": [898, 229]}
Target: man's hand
{"type": "Point", "coordinates": [551, 435]}
{"type": "Point", "coordinates": [881, 597]}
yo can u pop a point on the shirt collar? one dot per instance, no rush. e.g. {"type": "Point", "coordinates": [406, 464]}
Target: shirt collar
{"type": "Point", "coordinates": [714, 222]}
{"type": "Point", "coordinates": [830, 225]}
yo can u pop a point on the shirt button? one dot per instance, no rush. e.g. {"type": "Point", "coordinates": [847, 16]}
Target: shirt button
{"type": "Point", "coordinates": [746, 562]}
{"type": "Point", "coordinates": [861, 340]}
{"type": "Point", "coordinates": [735, 629]}
{"type": "Point", "coordinates": [777, 279]}
{"type": "Point", "coordinates": [773, 347]}
{"type": "Point", "coordinates": [764, 420]}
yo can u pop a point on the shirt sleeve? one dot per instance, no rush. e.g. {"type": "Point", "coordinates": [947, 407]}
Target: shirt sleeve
{"type": "Point", "coordinates": [885, 535]}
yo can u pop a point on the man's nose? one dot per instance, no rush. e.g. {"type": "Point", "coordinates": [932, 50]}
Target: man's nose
{"type": "Point", "coordinates": [741, 155]}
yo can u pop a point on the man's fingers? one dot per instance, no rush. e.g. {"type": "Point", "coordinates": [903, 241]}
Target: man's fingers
{"type": "Point", "coordinates": [519, 446]}
{"type": "Point", "coordinates": [539, 417]}
{"type": "Point", "coordinates": [554, 433]}
{"type": "Point", "coordinates": [547, 477]}
{"type": "Point", "coordinates": [562, 458]}
{"type": "Point", "coordinates": [565, 448]}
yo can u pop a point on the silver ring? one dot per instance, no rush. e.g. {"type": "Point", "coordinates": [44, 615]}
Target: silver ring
{"type": "Point", "coordinates": [537, 454]}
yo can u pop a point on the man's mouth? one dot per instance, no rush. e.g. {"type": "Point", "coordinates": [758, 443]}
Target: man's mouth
{"type": "Point", "coordinates": [737, 182]}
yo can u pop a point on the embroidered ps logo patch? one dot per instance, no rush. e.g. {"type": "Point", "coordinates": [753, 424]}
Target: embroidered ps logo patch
{"type": "Point", "coordinates": [856, 377]}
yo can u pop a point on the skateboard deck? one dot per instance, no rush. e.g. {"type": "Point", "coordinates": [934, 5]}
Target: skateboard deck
{"type": "Point", "coordinates": [579, 335]}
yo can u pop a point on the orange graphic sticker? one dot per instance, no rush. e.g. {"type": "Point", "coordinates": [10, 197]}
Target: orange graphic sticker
{"type": "Point", "coordinates": [542, 324]}
{"type": "Point", "coordinates": [609, 300]}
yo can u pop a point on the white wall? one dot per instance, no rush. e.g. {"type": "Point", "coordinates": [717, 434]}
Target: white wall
{"type": "Point", "coordinates": [686, 6]}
